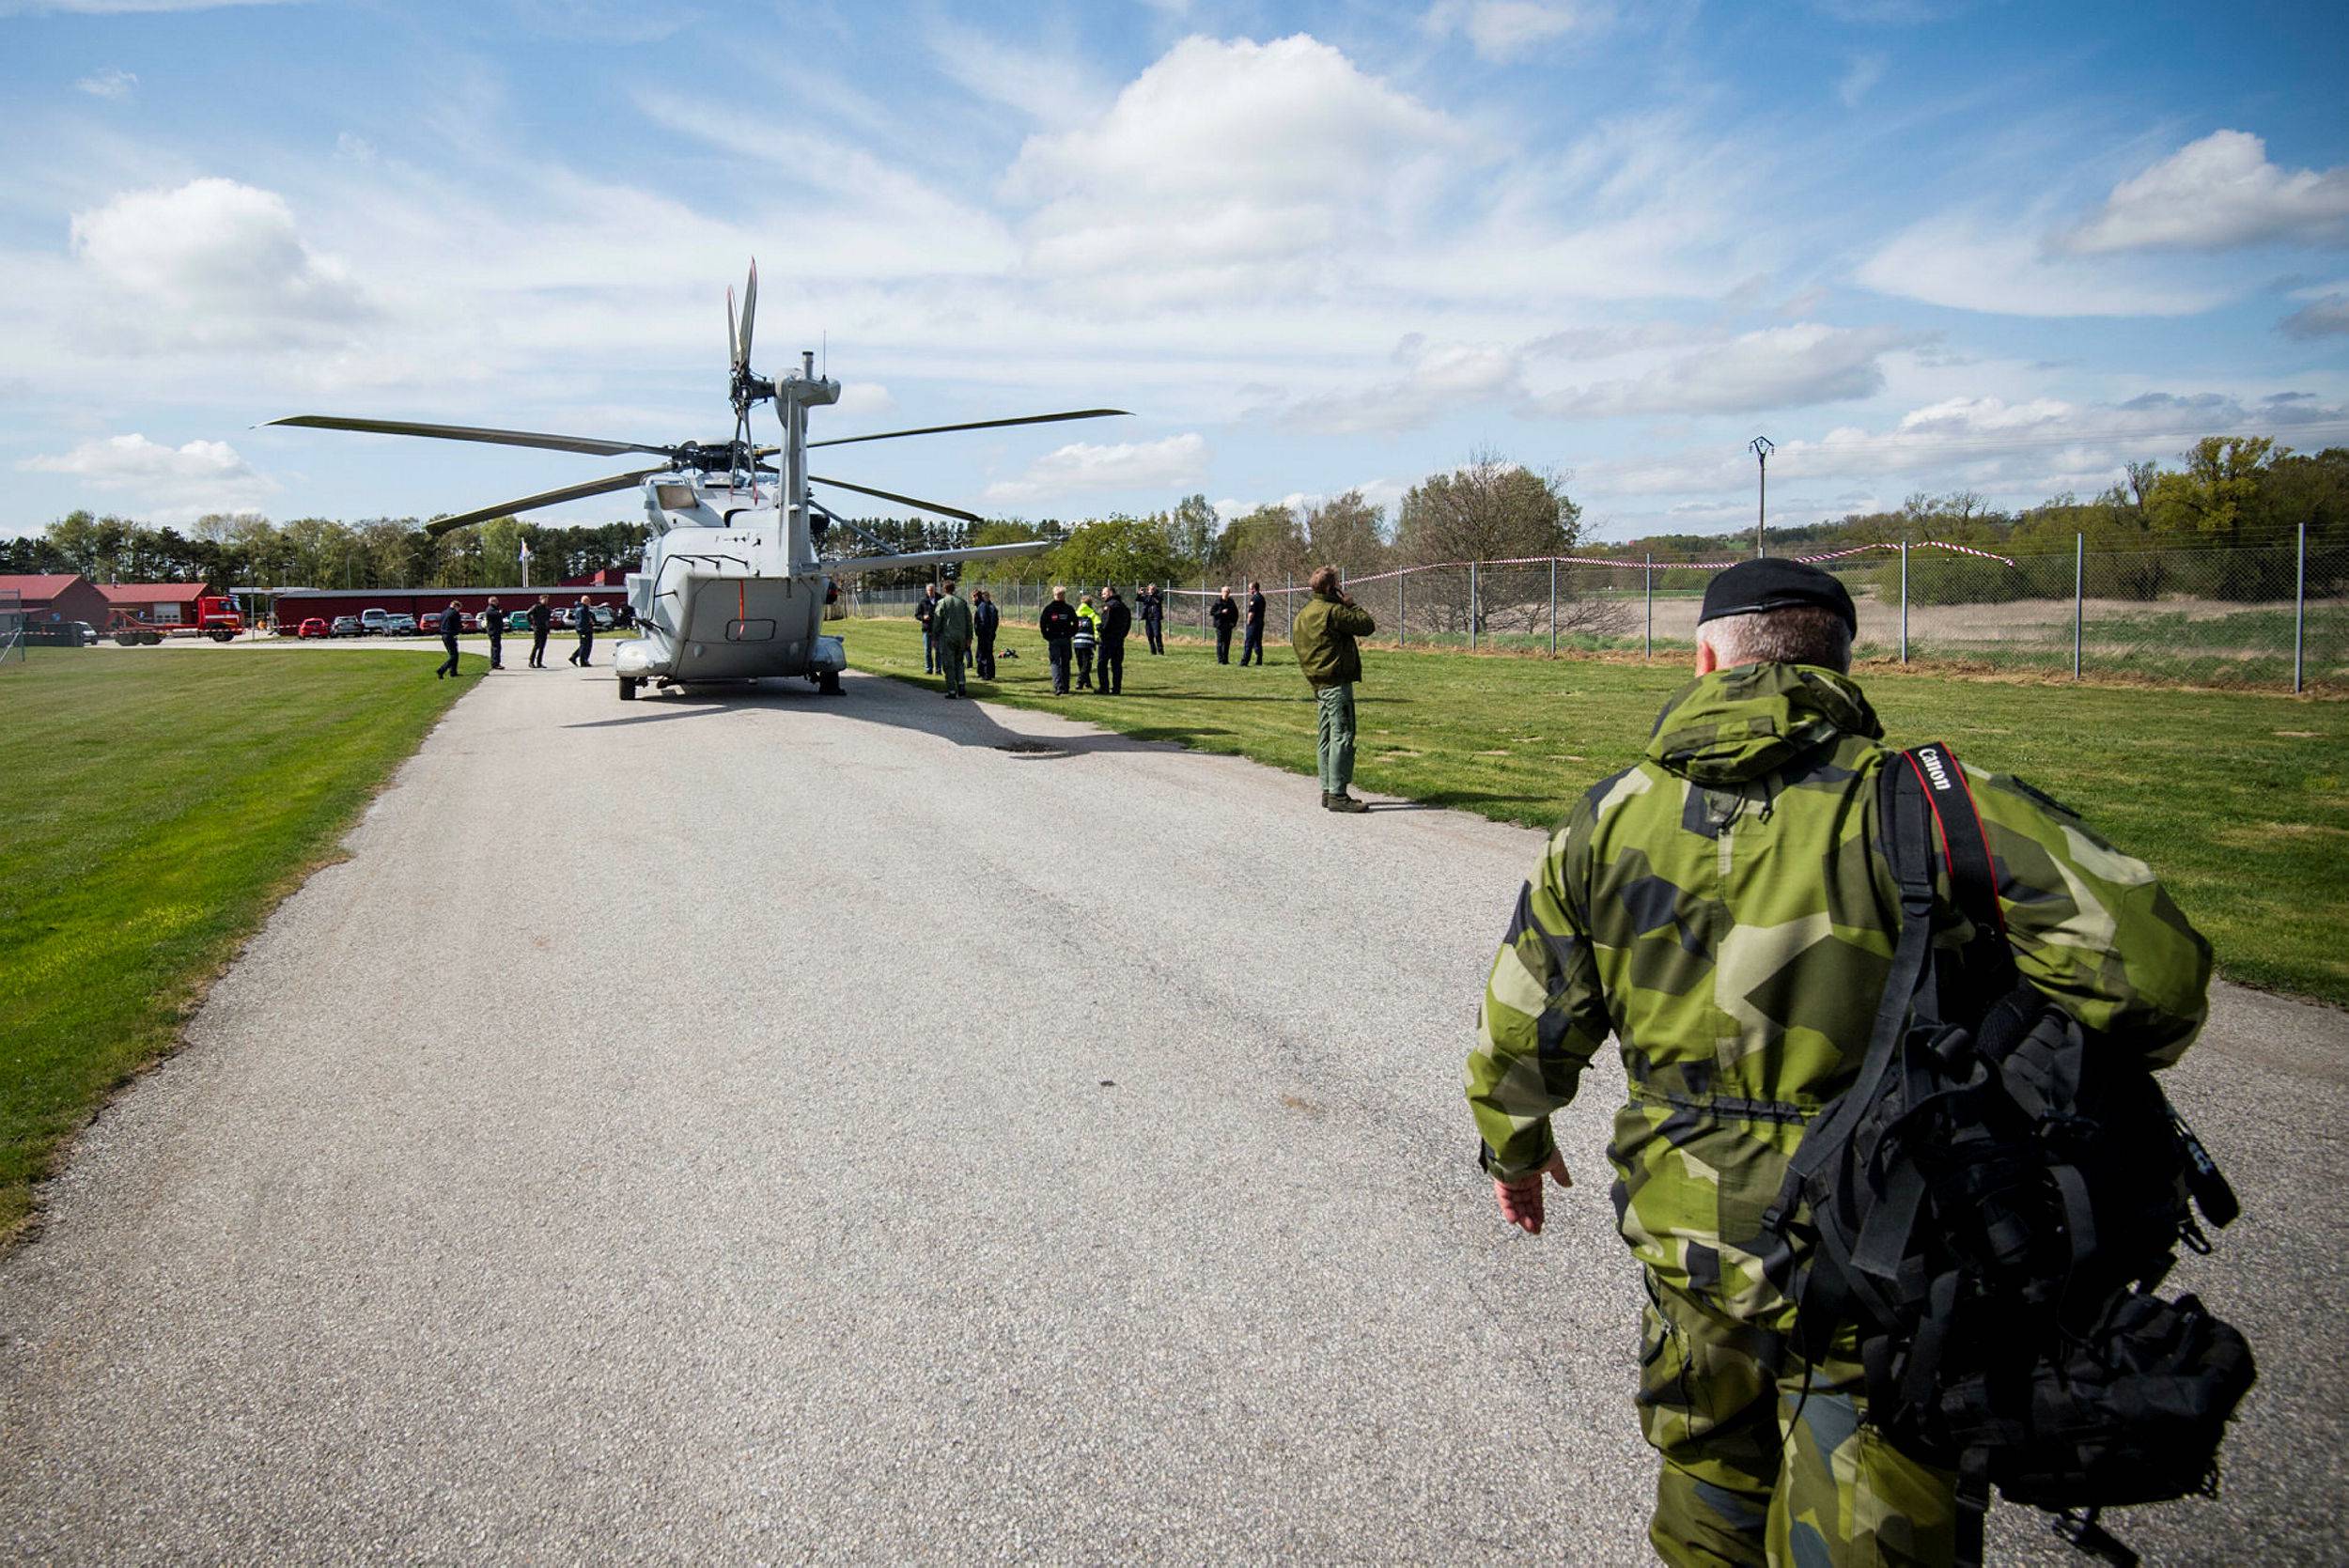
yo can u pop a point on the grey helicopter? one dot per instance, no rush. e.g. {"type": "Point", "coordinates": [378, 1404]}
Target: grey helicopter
{"type": "Point", "coordinates": [734, 585]}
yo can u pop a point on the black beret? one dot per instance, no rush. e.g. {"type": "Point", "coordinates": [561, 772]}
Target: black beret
{"type": "Point", "coordinates": [1752, 587]}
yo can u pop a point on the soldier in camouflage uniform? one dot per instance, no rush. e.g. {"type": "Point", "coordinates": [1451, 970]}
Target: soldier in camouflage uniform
{"type": "Point", "coordinates": [1721, 910]}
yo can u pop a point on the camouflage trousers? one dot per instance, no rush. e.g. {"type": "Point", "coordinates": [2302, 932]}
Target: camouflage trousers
{"type": "Point", "coordinates": [1758, 1471]}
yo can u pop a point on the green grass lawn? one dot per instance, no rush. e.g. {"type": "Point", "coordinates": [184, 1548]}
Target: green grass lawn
{"type": "Point", "coordinates": [2241, 801]}
{"type": "Point", "coordinates": [157, 804]}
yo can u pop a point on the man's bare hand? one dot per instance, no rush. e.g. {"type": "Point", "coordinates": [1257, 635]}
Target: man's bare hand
{"type": "Point", "coordinates": [1520, 1197]}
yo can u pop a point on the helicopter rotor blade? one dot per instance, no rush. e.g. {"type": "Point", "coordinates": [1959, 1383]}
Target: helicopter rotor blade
{"type": "Point", "coordinates": [589, 445]}
{"type": "Point", "coordinates": [749, 314]}
{"type": "Point", "coordinates": [975, 425]}
{"type": "Point", "coordinates": [439, 526]}
{"type": "Point", "coordinates": [914, 501]}
{"type": "Point", "coordinates": [734, 332]}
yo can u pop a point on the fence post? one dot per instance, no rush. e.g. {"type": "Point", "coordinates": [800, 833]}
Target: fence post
{"type": "Point", "coordinates": [1471, 607]}
{"type": "Point", "coordinates": [2080, 596]}
{"type": "Point", "coordinates": [2299, 608]}
{"type": "Point", "coordinates": [1400, 579]}
{"type": "Point", "coordinates": [1203, 605]}
{"type": "Point", "coordinates": [1647, 638]}
{"type": "Point", "coordinates": [1289, 599]}
{"type": "Point", "coordinates": [1904, 602]}
{"type": "Point", "coordinates": [1553, 607]}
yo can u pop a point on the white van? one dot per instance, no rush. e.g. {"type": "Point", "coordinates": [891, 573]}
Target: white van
{"type": "Point", "coordinates": [374, 623]}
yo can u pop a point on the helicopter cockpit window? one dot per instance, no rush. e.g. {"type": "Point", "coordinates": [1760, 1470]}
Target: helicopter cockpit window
{"type": "Point", "coordinates": [751, 631]}
{"type": "Point", "coordinates": [675, 498]}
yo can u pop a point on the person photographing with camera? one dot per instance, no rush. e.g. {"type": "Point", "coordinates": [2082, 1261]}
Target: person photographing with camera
{"type": "Point", "coordinates": [1324, 637]}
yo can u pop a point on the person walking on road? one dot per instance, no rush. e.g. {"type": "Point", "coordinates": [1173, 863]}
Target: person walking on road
{"type": "Point", "coordinates": [1117, 620]}
{"type": "Point", "coordinates": [1088, 637]}
{"type": "Point", "coordinates": [1151, 605]}
{"type": "Point", "coordinates": [493, 622]}
{"type": "Point", "coordinates": [584, 622]}
{"type": "Point", "coordinates": [1058, 627]}
{"type": "Point", "coordinates": [1718, 909]}
{"type": "Point", "coordinates": [541, 623]}
{"type": "Point", "coordinates": [926, 611]}
{"type": "Point", "coordinates": [1323, 635]}
{"type": "Point", "coordinates": [953, 620]}
{"type": "Point", "coordinates": [1226, 615]}
{"type": "Point", "coordinates": [452, 622]}
{"type": "Point", "coordinates": [986, 620]}
{"type": "Point", "coordinates": [1253, 642]}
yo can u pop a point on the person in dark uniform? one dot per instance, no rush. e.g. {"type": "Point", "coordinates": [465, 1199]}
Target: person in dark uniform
{"type": "Point", "coordinates": [985, 621]}
{"type": "Point", "coordinates": [926, 611]}
{"type": "Point", "coordinates": [583, 619]}
{"type": "Point", "coordinates": [493, 622]}
{"type": "Point", "coordinates": [1226, 615]}
{"type": "Point", "coordinates": [1152, 606]}
{"type": "Point", "coordinates": [541, 622]}
{"type": "Point", "coordinates": [1058, 624]}
{"type": "Point", "coordinates": [452, 622]}
{"type": "Point", "coordinates": [1117, 619]}
{"type": "Point", "coordinates": [1253, 642]}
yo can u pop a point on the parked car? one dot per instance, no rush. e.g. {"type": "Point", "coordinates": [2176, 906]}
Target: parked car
{"type": "Point", "coordinates": [314, 627]}
{"type": "Point", "coordinates": [562, 617]}
{"type": "Point", "coordinates": [518, 621]}
{"type": "Point", "coordinates": [603, 615]}
{"type": "Point", "coordinates": [400, 626]}
{"type": "Point", "coordinates": [374, 623]}
{"type": "Point", "coordinates": [347, 625]}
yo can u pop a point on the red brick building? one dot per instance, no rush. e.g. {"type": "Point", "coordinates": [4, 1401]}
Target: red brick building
{"type": "Point", "coordinates": [160, 603]}
{"type": "Point", "coordinates": [55, 597]}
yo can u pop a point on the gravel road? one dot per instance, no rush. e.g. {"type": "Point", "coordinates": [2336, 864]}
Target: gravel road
{"type": "Point", "coordinates": [773, 1128]}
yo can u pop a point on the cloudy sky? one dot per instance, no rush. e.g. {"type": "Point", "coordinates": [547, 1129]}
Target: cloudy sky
{"type": "Point", "coordinates": [1922, 245]}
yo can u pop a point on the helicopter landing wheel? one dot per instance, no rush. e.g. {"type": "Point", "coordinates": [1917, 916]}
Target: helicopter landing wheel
{"type": "Point", "coordinates": [827, 684]}
{"type": "Point", "coordinates": [628, 687]}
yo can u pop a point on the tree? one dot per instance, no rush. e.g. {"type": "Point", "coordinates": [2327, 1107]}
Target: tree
{"type": "Point", "coordinates": [1492, 509]}
{"type": "Point", "coordinates": [1266, 545]}
{"type": "Point", "coordinates": [1345, 530]}
{"type": "Point", "coordinates": [1123, 550]}
{"type": "Point", "coordinates": [1192, 530]}
{"type": "Point", "coordinates": [1486, 509]}
{"type": "Point", "coordinates": [2220, 480]}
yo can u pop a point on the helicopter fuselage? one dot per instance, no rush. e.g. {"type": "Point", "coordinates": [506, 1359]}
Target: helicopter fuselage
{"type": "Point", "coordinates": [723, 594]}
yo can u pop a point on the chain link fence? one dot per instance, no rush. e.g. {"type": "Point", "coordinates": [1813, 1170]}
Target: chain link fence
{"type": "Point", "coordinates": [2271, 618]}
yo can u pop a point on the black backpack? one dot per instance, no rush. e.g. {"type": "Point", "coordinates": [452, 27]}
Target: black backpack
{"type": "Point", "coordinates": [1992, 1206]}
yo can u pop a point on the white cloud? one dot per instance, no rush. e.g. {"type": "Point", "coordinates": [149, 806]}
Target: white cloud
{"type": "Point", "coordinates": [2024, 449]}
{"type": "Point", "coordinates": [1230, 157]}
{"type": "Point", "coordinates": [113, 82]}
{"type": "Point", "coordinates": [1957, 262]}
{"type": "Point", "coordinates": [1503, 29]}
{"type": "Point", "coordinates": [1171, 463]}
{"type": "Point", "coordinates": [213, 262]}
{"type": "Point", "coordinates": [1438, 379]}
{"type": "Point", "coordinates": [1781, 367]}
{"type": "Point", "coordinates": [1865, 73]}
{"type": "Point", "coordinates": [2215, 194]}
{"type": "Point", "coordinates": [2325, 318]}
{"type": "Point", "coordinates": [177, 482]}
{"type": "Point", "coordinates": [865, 398]}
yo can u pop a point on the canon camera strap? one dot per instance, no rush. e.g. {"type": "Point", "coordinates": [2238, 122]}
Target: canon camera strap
{"type": "Point", "coordinates": [1988, 962]}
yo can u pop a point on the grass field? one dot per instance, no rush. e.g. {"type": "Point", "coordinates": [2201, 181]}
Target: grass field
{"type": "Point", "coordinates": [157, 805]}
{"type": "Point", "coordinates": [2241, 801]}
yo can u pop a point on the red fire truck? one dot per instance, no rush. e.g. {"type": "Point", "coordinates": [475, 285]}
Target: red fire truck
{"type": "Point", "coordinates": [216, 618]}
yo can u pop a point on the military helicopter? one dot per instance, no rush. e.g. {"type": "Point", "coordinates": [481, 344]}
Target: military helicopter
{"type": "Point", "coordinates": [733, 587]}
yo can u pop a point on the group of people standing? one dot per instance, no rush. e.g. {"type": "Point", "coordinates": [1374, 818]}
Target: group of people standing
{"type": "Point", "coordinates": [1227, 615]}
{"type": "Point", "coordinates": [540, 617]}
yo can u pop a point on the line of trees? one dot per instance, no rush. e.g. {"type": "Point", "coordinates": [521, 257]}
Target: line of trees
{"type": "Point", "coordinates": [2228, 492]}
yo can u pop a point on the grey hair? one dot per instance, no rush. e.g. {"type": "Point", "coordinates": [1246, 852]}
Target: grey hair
{"type": "Point", "coordinates": [1801, 634]}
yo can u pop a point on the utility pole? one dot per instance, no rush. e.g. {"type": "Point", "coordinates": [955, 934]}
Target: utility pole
{"type": "Point", "coordinates": [1762, 447]}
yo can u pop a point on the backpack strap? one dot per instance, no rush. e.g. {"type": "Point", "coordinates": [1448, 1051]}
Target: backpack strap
{"type": "Point", "coordinates": [1988, 962]}
{"type": "Point", "coordinates": [1904, 818]}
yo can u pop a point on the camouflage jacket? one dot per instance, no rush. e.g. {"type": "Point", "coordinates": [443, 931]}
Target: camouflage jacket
{"type": "Point", "coordinates": [1721, 910]}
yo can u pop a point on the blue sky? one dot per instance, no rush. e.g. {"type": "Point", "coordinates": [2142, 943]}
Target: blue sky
{"type": "Point", "coordinates": [1923, 245]}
